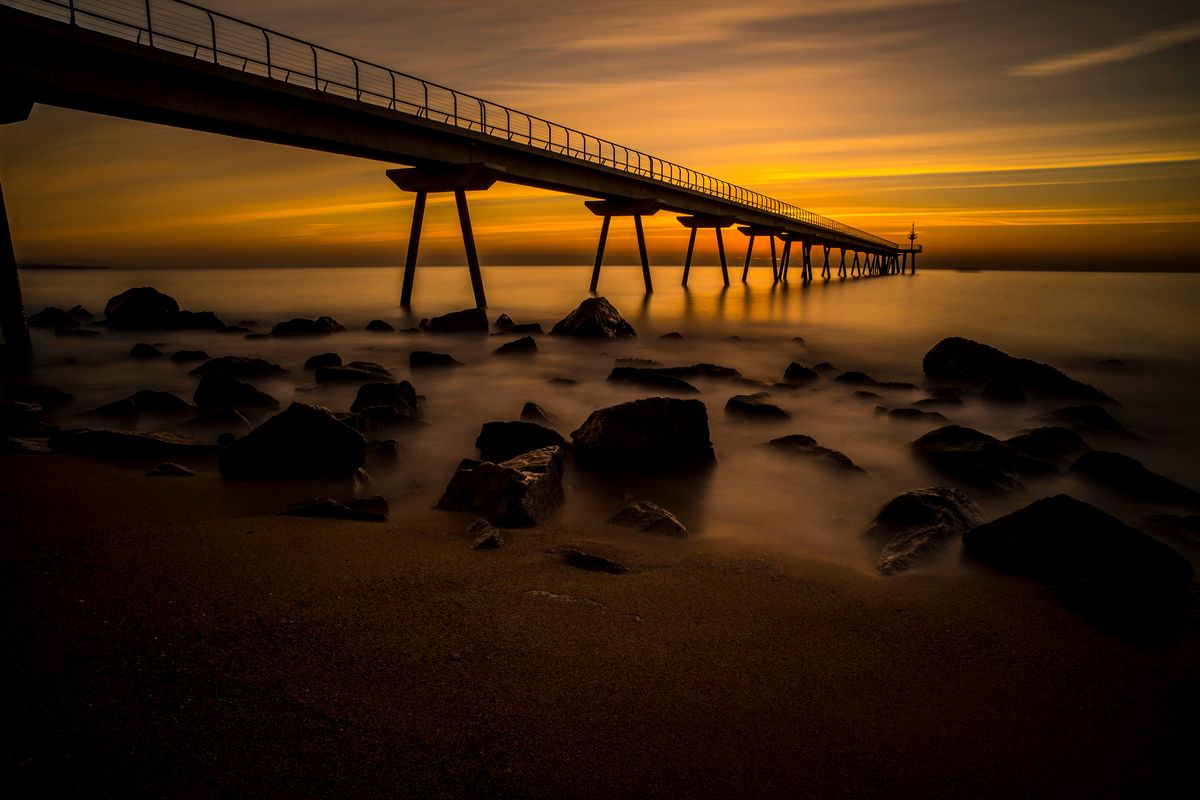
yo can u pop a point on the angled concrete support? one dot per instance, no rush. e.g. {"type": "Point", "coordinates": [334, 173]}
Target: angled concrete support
{"type": "Point", "coordinates": [903, 262]}
{"type": "Point", "coordinates": [414, 245]}
{"type": "Point", "coordinates": [855, 269]}
{"type": "Point", "coordinates": [806, 264]}
{"type": "Point", "coordinates": [464, 221]}
{"type": "Point", "coordinates": [12, 306]}
{"type": "Point", "coordinates": [785, 260]}
{"type": "Point", "coordinates": [687, 262]}
{"type": "Point", "coordinates": [641, 237]}
{"type": "Point", "coordinates": [600, 253]}
{"type": "Point", "coordinates": [705, 221]}
{"type": "Point", "coordinates": [825, 269]}
{"type": "Point", "coordinates": [721, 252]}
{"type": "Point", "coordinates": [749, 255]}
{"type": "Point", "coordinates": [774, 261]}
{"type": "Point", "coordinates": [913, 271]}
{"type": "Point", "coordinates": [621, 207]}
{"type": "Point", "coordinates": [842, 263]}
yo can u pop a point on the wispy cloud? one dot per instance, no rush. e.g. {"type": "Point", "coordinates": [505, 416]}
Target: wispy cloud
{"type": "Point", "coordinates": [1136, 47]}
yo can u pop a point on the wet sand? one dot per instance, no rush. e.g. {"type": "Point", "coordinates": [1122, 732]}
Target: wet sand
{"type": "Point", "coordinates": [171, 638]}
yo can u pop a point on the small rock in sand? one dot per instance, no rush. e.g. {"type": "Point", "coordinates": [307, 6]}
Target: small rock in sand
{"type": "Point", "coordinates": [798, 373]}
{"type": "Point", "coordinates": [651, 433]}
{"type": "Point", "coordinates": [649, 518]}
{"type": "Point", "coordinates": [302, 442]}
{"type": "Point", "coordinates": [299, 326]}
{"type": "Point", "coordinates": [516, 493]}
{"type": "Point", "coordinates": [485, 535]}
{"type": "Point", "coordinates": [917, 524]}
{"type": "Point", "coordinates": [360, 509]}
{"type": "Point", "coordinates": [239, 367]}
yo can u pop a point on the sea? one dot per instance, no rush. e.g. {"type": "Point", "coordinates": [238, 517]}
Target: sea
{"type": "Point", "coordinates": [754, 495]}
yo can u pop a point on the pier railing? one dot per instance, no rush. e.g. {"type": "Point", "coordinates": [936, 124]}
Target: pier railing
{"type": "Point", "coordinates": [187, 29]}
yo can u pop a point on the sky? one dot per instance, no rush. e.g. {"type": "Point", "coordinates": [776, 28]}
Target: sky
{"type": "Point", "coordinates": [1014, 133]}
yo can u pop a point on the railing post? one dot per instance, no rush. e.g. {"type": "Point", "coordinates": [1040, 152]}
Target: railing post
{"type": "Point", "coordinates": [267, 39]}
{"type": "Point", "coordinates": [149, 24]}
{"type": "Point", "coordinates": [71, 5]}
{"type": "Point", "coordinates": [357, 91]}
{"type": "Point", "coordinates": [212, 24]}
{"type": "Point", "coordinates": [316, 69]}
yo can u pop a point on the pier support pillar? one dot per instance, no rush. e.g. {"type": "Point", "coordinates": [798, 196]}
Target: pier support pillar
{"type": "Point", "coordinates": [913, 270]}
{"type": "Point", "coordinates": [706, 221]}
{"type": "Point", "coordinates": [806, 264]}
{"type": "Point", "coordinates": [12, 306]}
{"type": "Point", "coordinates": [855, 269]}
{"type": "Point", "coordinates": [774, 261]}
{"type": "Point", "coordinates": [842, 263]}
{"type": "Point", "coordinates": [459, 179]}
{"type": "Point", "coordinates": [903, 262]}
{"type": "Point", "coordinates": [749, 255]}
{"type": "Point", "coordinates": [619, 207]}
{"type": "Point", "coordinates": [754, 231]}
{"type": "Point", "coordinates": [785, 261]}
{"type": "Point", "coordinates": [825, 269]}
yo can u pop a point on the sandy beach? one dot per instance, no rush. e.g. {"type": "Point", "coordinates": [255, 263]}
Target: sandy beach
{"type": "Point", "coordinates": [167, 637]}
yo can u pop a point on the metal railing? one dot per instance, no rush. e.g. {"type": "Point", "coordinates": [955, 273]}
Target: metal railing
{"type": "Point", "coordinates": [187, 29]}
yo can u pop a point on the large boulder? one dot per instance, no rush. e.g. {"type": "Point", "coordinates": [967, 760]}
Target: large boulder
{"type": "Point", "coordinates": [469, 320]}
{"type": "Point", "coordinates": [595, 318]}
{"type": "Point", "coordinates": [500, 441]}
{"type": "Point", "coordinates": [1128, 476]}
{"type": "Point", "coordinates": [400, 395]}
{"type": "Point", "coordinates": [974, 457]}
{"type": "Point", "coordinates": [966, 360]}
{"type": "Point", "coordinates": [918, 524]}
{"type": "Point", "coordinates": [219, 391]}
{"type": "Point", "coordinates": [323, 360]}
{"type": "Point", "coordinates": [1093, 560]}
{"type": "Point", "coordinates": [299, 326]}
{"type": "Point", "coordinates": [515, 493]}
{"type": "Point", "coordinates": [239, 367]}
{"type": "Point", "coordinates": [142, 309]}
{"type": "Point", "coordinates": [798, 373]}
{"type": "Point", "coordinates": [797, 444]}
{"type": "Point", "coordinates": [302, 442]}
{"type": "Point", "coordinates": [651, 433]}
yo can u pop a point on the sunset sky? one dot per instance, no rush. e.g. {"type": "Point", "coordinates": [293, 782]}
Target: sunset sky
{"type": "Point", "coordinates": [1014, 133]}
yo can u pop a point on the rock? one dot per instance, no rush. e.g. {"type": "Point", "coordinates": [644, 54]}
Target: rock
{"type": "Point", "coordinates": [651, 433]}
{"type": "Point", "coordinates": [79, 332]}
{"type": "Point", "coordinates": [593, 563]}
{"type": "Point", "coordinates": [500, 441]}
{"type": "Point", "coordinates": [126, 444]}
{"type": "Point", "coordinates": [236, 329]}
{"type": "Point", "coordinates": [595, 318]}
{"type": "Point", "coordinates": [1093, 560]}
{"type": "Point", "coordinates": [637, 362]}
{"type": "Point", "coordinates": [1111, 363]}
{"type": "Point", "coordinates": [25, 446]}
{"type": "Point", "coordinates": [938, 402]}
{"type": "Point", "coordinates": [1049, 444]}
{"type": "Point", "coordinates": [44, 396]}
{"type": "Point", "coordinates": [702, 370]}
{"type": "Point", "coordinates": [376, 420]}
{"type": "Point", "coordinates": [323, 360]}
{"type": "Point", "coordinates": [226, 419]}
{"type": "Point", "coordinates": [797, 444]}
{"type": "Point", "coordinates": [80, 314]}
{"type": "Point", "coordinates": [379, 326]}
{"type": "Point", "coordinates": [753, 406]}
{"type": "Point", "coordinates": [798, 340]}
{"type": "Point", "coordinates": [188, 356]}
{"type": "Point", "coordinates": [198, 320]}
{"type": "Point", "coordinates": [798, 373]}
{"type": "Point", "coordinates": [1003, 390]}
{"type": "Point", "coordinates": [486, 535]}
{"type": "Point", "coordinates": [143, 350]}
{"type": "Point", "coordinates": [302, 442]}
{"type": "Point", "coordinates": [354, 372]}
{"type": "Point", "coordinates": [170, 470]}
{"type": "Point", "coordinates": [917, 524]}
{"type": "Point", "coordinates": [52, 317]}
{"type": "Point", "coordinates": [146, 401]}
{"type": "Point", "coordinates": [298, 326]}
{"type": "Point", "coordinates": [521, 346]}
{"type": "Point", "coordinates": [519, 492]}
{"type": "Point", "coordinates": [1128, 476]}
{"type": "Point", "coordinates": [423, 359]}
{"type": "Point", "coordinates": [218, 390]}
{"type": "Point", "coordinates": [977, 458]}
{"type": "Point", "coordinates": [651, 378]}
{"type": "Point", "coordinates": [532, 412]}
{"type": "Point", "coordinates": [400, 395]}
{"type": "Point", "coordinates": [825, 366]}
{"type": "Point", "coordinates": [142, 309]}
{"type": "Point", "coordinates": [967, 360]}
{"type": "Point", "coordinates": [239, 367]}
{"type": "Point", "coordinates": [383, 451]}
{"type": "Point", "coordinates": [253, 337]}
{"type": "Point", "coordinates": [675, 335]}
{"type": "Point", "coordinates": [361, 509]}
{"type": "Point", "coordinates": [23, 419]}
{"type": "Point", "coordinates": [561, 381]}
{"type": "Point", "coordinates": [469, 320]}
{"type": "Point", "coordinates": [863, 394]}
{"type": "Point", "coordinates": [526, 327]}
{"type": "Point", "coordinates": [855, 378]}
{"type": "Point", "coordinates": [648, 518]}
{"type": "Point", "coordinates": [1085, 419]}
{"type": "Point", "coordinates": [916, 415]}
{"type": "Point", "coordinates": [503, 322]}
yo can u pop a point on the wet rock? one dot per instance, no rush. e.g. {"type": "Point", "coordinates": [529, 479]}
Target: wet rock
{"type": "Point", "coordinates": [485, 535]}
{"type": "Point", "coordinates": [239, 367]}
{"type": "Point", "coordinates": [1003, 390]}
{"type": "Point", "coordinates": [170, 470]}
{"type": "Point", "coordinates": [651, 433]}
{"type": "Point", "coordinates": [593, 563]}
{"type": "Point", "coordinates": [532, 412]}
{"type": "Point", "coordinates": [798, 373]}
{"type": "Point", "coordinates": [82, 333]}
{"type": "Point", "coordinates": [143, 350]}
{"type": "Point", "coordinates": [825, 366]}
{"type": "Point", "coordinates": [863, 394]}
{"type": "Point", "coordinates": [595, 318]}
{"type": "Point", "coordinates": [798, 340]}
{"type": "Point", "coordinates": [299, 326]}
{"type": "Point", "coordinates": [754, 406]}
{"type": "Point", "coordinates": [1128, 476]}
{"type": "Point", "coordinates": [52, 317]}
{"type": "Point", "coordinates": [354, 372]}
{"type": "Point", "coordinates": [376, 420]}
{"type": "Point", "coordinates": [423, 359]}
{"type": "Point", "coordinates": [146, 401]}
{"type": "Point", "coordinates": [916, 415]}
{"type": "Point", "coordinates": [80, 314]}
{"type": "Point", "coordinates": [975, 457]}
{"type": "Point", "coordinates": [188, 356]}
{"type": "Point", "coordinates": [44, 396]}
{"type": "Point", "coordinates": [1094, 561]}
{"type": "Point", "coordinates": [1111, 363]}
{"type": "Point", "coordinates": [126, 444]}
{"type": "Point", "coordinates": [966, 360]}
{"type": "Point", "coordinates": [218, 390]}
{"type": "Point", "coordinates": [143, 308]}
{"type": "Point", "coordinates": [380, 326]}
{"type": "Point", "coordinates": [469, 320]}
{"type": "Point", "coordinates": [500, 441]}
{"type": "Point", "coordinates": [526, 327]}
{"type": "Point", "coordinates": [855, 378]}
{"type": "Point", "coordinates": [503, 322]}
{"type": "Point", "coordinates": [225, 419]}
{"type": "Point", "coordinates": [360, 509]}
{"type": "Point", "coordinates": [521, 346]}
{"type": "Point", "coordinates": [302, 442]}
{"type": "Point", "coordinates": [648, 518]}
{"type": "Point", "coordinates": [561, 381]}
{"type": "Point", "coordinates": [323, 360]}
{"type": "Point", "coordinates": [515, 493]}
{"type": "Point", "coordinates": [918, 524]}
{"type": "Point", "coordinates": [673, 335]}
{"type": "Point", "coordinates": [1085, 419]}
{"type": "Point", "coordinates": [1049, 443]}
{"type": "Point", "coordinates": [23, 419]}
{"type": "Point", "coordinates": [401, 396]}
{"type": "Point", "coordinates": [651, 378]}
{"type": "Point", "coordinates": [798, 444]}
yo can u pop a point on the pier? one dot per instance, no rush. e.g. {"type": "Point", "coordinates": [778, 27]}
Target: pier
{"type": "Point", "coordinates": [176, 63]}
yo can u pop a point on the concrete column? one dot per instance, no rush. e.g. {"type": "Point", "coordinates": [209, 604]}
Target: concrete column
{"type": "Point", "coordinates": [12, 306]}
{"type": "Point", "coordinates": [600, 253]}
{"type": "Point", "coordinates": [842, 263]}
{"type": "Point", "coordinates": [825, 269]}
{"type": "Point", "coordinates": [749, 254]}
{"type": "Point", "coordinates": [464, 221]}
{"type": "Point", "coordinates": [641, 237]}
{"type": "Point", "coordinates": [774, 261]}
{"type": "Point", "coordinates": [721, 251]}
{"type": "Point", "coordinates": [687, 262]}
{"type": "Point", "coordinates": [414, 245]}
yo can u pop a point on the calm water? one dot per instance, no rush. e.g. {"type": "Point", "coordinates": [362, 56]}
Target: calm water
{"type": "Point", "coordinates": [881, 326]}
